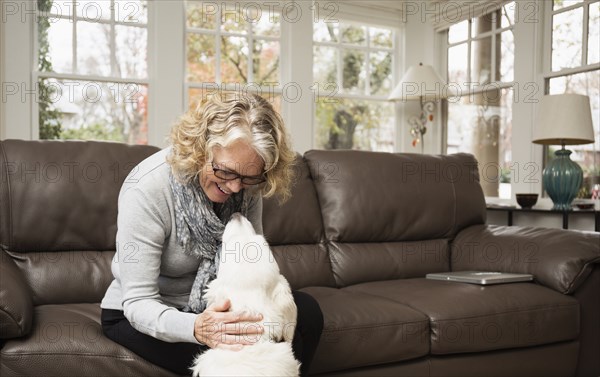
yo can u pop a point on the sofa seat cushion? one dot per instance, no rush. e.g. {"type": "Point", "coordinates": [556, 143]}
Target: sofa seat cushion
{"type": "Point", "coordinates": [67, 340]}
{"type": "Point", "coordinates": [472, 318]}
{"type": "Point", "coordinates": [362, 329]}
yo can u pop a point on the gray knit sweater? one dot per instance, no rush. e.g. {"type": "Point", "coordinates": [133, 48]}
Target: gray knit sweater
{"type": "Point", "coordinates": [153, 276]}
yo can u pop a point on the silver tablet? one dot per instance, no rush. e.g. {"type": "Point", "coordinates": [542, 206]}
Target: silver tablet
{"type": "Point", "coordinates": [480, 277]}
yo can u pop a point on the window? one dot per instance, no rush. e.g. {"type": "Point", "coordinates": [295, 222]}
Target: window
{"type": "Point", "coordinates": [480, 56]}
{"type": "Point", "coordinates": [352, 72]}
{"type": "Point", "coordinates": [92, 70]}
{"type": "Point", "coordinates": [574, 67]}
{"type": "Point", "coordinates": [232, 47]}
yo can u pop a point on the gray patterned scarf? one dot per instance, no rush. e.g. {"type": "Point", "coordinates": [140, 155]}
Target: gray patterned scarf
{"type": "Point", "coordinates": [199, 229]}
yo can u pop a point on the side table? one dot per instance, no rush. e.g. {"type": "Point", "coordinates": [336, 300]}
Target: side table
{"type": "Point", "coordinates": [565, 214]}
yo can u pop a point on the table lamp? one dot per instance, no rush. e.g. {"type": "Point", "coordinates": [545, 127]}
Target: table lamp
{"type": "Point", "coordinates": [420, 83]}
{"type": "Point", "coordinates": [563, 119]}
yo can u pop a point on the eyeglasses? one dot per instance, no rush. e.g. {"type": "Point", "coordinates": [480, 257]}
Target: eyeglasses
{"type": "Point", "coordinates": [249, 180]}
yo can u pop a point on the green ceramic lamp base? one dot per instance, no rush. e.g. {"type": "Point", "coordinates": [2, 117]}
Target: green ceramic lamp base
{"type": "Point", "coordinates": [562, 179]}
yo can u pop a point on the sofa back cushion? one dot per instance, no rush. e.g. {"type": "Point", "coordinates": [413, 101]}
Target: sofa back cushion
{"type": "Point", "coordinates": [379, 197]}
{"type": "Point", "coordinates": [294, 230]}
{"type": "Point", "coordinates": [355, 263]}
{"type": "Point", "coordinates": [386, 207]}
{"type": "Point", "coordinates": [58, 213]}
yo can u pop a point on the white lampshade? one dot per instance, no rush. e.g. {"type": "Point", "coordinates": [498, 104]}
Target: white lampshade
{"type": "Point", "coordinates": [420, 81]}
{"type": "Point", "coordinates": [564, 119]}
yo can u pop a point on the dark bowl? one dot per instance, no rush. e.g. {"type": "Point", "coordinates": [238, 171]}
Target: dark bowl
{"type": "Point", "coordinates": [527, 201]}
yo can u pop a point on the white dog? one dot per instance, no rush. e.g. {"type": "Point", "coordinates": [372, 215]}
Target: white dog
{"type": "Point", "coordinates": [249, 277]}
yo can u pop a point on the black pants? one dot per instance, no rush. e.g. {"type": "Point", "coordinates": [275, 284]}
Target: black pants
{"type": "Point", "coordinates": [178, 357]}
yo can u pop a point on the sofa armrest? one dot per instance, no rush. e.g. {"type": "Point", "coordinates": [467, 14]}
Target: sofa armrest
{"type": "Point", "coordinates": [558, 259]}
{"type": "Point", "coordinates": [16, 307]}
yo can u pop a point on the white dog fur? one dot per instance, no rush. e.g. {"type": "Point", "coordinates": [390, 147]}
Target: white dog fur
{"type": "Point", "coordinates": [249, 277]}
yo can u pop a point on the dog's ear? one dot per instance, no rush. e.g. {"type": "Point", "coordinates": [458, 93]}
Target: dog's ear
{"type": "Point", "coordinates": [282, 296]}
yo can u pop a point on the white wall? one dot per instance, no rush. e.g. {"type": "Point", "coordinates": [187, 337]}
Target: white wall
{"type": "Point", "coordinates": [18, 93]}
{"type": "Point", "coordinates": [166, 97]}
{"type": "Point", "coordinates": [419, 47]}
{"type": "Point", "coordinates": [297, 115]}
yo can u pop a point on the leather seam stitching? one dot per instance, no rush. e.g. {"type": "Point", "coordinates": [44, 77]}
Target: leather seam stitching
{"type": "Point", "coordinates": [66, 353]}
{"type": "Point", "coordinates": [376, 326]}
{"type": "Point", "coordinates": [539, 308]}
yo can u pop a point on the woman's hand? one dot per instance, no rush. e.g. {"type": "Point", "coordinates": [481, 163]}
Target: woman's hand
{"type": "Point", "coordinates": [218, 328]}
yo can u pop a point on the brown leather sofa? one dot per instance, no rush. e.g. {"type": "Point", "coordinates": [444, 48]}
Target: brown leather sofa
{"type": "Point", "coordinates": [360, 232]}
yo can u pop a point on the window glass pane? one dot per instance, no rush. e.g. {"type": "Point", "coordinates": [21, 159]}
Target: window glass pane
{"type": "Point", "coordinates": [232, 20]}
{"type": "Point", "coordinates": [92, 10]}
{"type": "Point", "coordinates": [59, 42]}
{"type": "Point", "coordinates": [355, 124]}
{"type": "Point", "coordinates": [93, 52]}
{"type": "Point", "coordinates": [234, 60]}
{"type": "Point", "coordinates": [325, 65]}
{"type": "Point", "coordinates": [353, 71]}
{"type": "Point", "coordinates": [566, 39]}
{"type": "Point", "coordinates": [266, 61]}
{"type": "Point", "coordinates": [197, 94]}
{"type": "Point", "coordinates": [507, 55]}
{"type": "Point", "coordinates": [457, 64]}
{"type": "Point", "coordinates": [381, 37]}
{"type": "Point", "coordinates": [354, 35]}
{"type": "Point", "coordinates": [381, 72]}
{"type": "Point", "coordinates": [266, 23]}
{"type": "Point", "coordinates": [201, 16]}
{"type": "Point", "coordinates": [587, 155]}
{"type": "Point", "coordinates": [325, 31]}
{"type": "Point", "coordinates": [90, 110]}
{"type": "Point", "coordinates": [201, 58]}
{"type": "Point", "coordinates": [481, 124]}
{"type": "Point", "coordinates": [458, 32]}
{"type": "Point", "coordinates": [508, 15]}
{"type": "Point", "coordinates": [132, 11]}
{"type": "Point", "coordinates": [57, 8]}
{"type": "Point", "coordinates": [246, 45]}
{"type": "Point", "coordinates": [559, 4]}
{"type": "Point", "coordinates": [131, 51]}
{"type": "Point", "coordinates": [481, 61]}
{"type": "Point", "coordinates": [594, 34]}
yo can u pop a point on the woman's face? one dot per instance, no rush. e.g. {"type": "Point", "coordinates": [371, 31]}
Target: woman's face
{"type": "Point", "coordinates": [238, 158]}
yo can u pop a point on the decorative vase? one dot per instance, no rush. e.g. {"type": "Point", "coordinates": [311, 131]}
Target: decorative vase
{"type": "Point", "coordinates": [562, 179]}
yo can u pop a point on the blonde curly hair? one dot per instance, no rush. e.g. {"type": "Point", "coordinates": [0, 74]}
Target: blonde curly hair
{"type": "Point", "coordinates": [219, 121]}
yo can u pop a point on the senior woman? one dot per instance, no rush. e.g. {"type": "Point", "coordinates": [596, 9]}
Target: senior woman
{"type": "Point", "coordinates": [173, 207]}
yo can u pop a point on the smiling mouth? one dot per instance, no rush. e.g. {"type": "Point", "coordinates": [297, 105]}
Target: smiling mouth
{"type": "Point", "coordinates": [222, 190]}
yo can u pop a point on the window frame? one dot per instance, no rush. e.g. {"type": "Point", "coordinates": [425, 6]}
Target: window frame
{"type": "Point", "coordinates": [36, 74]}
{"type": "Point", "coordinates": [469, 88]}
{"type": "Point", "coordinates": [340, 46]}
{"type": "Point", "coordinates": [251, 86]}
{"type": "Point", "coordinates": [549, 12]}
{"type": "Point", "coordinates": [548, 74]}
{"type": "Point", "coordinates": [166, 68]}
{"type": "Point", "coordinates": [496, 31]}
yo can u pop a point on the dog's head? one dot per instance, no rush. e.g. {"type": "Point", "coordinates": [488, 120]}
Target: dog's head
{"type": "Point", "coordinates": [245, 254]}
{"type": "Point", "coordinates": [238, 228]}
